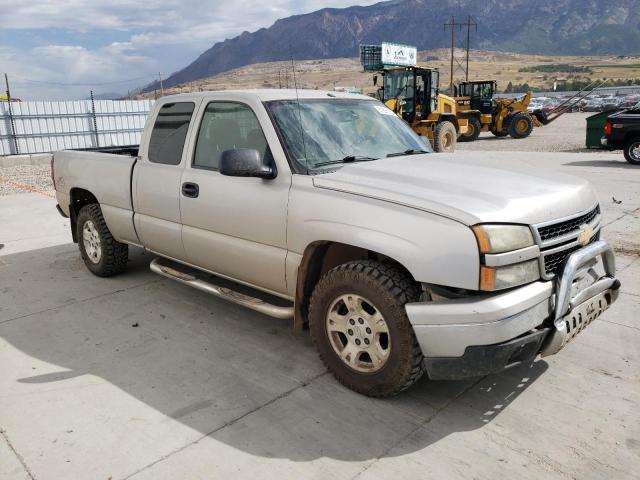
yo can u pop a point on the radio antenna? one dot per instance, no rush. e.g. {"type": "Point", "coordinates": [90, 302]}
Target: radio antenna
{"type": "Point", "coordinates": [295, 84]}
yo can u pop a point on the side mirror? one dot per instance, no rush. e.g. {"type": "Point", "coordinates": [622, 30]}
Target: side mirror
{"type": "Point", "coordinates": [245, 162]}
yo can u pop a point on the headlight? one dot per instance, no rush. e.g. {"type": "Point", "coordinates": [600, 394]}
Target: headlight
{"type": "Point", "coordinates": [502, 238]}
{"type": "Point", "coordinates": [498, 278]}
{"type": "Point", "coordinates": [514, 270]}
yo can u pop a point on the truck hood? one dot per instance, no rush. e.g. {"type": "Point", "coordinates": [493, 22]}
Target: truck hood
{"type": "Point", "coordinates": [469, 187]}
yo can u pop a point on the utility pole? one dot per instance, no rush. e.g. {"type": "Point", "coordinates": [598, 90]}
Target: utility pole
{"type": "Point", "coordinates": [161, 87]}
{"type": "Point", "coordinates": [11, 121]}
{"type": "Point", "coordinates": [453, 24]}
{"type": "Point", "coordinates": [470, 24]}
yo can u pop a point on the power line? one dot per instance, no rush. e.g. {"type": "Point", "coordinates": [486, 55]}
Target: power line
{"type": "Point", "coordinates": [453, 24]}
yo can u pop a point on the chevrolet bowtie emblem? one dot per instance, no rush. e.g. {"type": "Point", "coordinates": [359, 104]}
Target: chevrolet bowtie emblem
{"type": "Point", "coordinates": [586, 232]}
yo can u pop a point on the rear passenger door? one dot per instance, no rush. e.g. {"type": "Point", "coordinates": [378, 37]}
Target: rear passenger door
{"type": "Point", "coordinates": [235, 226]}
{"type": "Point", "coordinates": [156, 180]}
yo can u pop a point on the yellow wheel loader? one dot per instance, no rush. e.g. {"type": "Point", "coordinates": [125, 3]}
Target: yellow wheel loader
{"type": "Point", "coordinates": [413, 94]}
{"type": "Point", "coordinates": [505, 116]}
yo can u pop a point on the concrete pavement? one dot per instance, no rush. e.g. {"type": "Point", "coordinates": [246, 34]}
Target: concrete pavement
{"type": "Point", "coordinates": [138, 377]}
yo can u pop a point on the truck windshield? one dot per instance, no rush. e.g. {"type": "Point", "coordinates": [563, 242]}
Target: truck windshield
{"type": "Point", "coordinates": [320, 132]}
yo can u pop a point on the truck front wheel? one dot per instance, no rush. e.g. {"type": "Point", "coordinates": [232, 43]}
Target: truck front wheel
{"type": "Point", "coordinates": [103, 255]}
{"type": "Point", "coordinates": [360, 327]}
{"type": "Point", "coordinates": [632, 151]}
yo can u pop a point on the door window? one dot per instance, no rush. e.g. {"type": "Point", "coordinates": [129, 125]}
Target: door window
{"type": "Point", "coordinates": [169, 132]}
{"type": "Point", "coordinates": [228, 126]}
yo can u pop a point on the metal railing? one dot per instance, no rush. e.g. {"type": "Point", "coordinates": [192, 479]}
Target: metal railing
{"type": "Point", "coordinates": [47, 126]}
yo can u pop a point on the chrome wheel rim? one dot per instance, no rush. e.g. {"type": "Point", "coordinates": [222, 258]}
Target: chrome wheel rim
{"type": "Point", "coordinates": [91, 241]}
{"type": "Point", "coordinates": [635, 151]}
{"type": "Point", "coordinates": [358, 333]}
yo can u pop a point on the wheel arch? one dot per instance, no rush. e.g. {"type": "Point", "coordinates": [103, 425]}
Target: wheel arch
{"type": "Point", "coordinates": [78, 198]}
{"type": "Point", "coordinates": [469, 114]}
{"type": "Point", "coordinates": [318, 258]}
{"type": "Point", "coordinates": [450, 117]}
{"type": "Point", "coordinates": [631, 135]}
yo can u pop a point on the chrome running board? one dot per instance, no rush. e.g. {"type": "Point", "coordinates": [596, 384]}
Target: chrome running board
{"type": "Point", "coordinates": [233, 296]}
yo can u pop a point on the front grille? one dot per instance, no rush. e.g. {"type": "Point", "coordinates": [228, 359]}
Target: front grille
{"type": "Point", "coordinates": [566, 227]}
{"type": "Point", "coordinates": [554, 262]}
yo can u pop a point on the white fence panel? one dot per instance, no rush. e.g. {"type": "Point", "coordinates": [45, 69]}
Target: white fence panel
{"type": "Point", "coordinates": [44, 126]}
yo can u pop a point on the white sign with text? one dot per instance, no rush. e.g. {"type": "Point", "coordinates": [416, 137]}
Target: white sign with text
{"type": "Point", "coordinates": [394, 54]}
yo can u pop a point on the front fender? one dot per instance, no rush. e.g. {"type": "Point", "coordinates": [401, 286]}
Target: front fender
{"type": "Point", "coordinates": [433, 248]}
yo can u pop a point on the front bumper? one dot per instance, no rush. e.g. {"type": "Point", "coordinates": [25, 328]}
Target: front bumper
{"type": "Point", "coordinates": [487, 333]}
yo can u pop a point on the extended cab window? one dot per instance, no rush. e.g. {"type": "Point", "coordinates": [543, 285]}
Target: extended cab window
{"type": "Point", "coordinates": [169, 132]}
{"type": "Point", "coordinates": [227, 126]}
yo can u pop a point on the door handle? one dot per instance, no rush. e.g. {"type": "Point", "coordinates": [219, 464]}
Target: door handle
{"type": "Point", "coordinates": [190, 189]}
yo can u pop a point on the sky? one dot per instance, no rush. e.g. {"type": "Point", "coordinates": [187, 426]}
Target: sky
{"type": "Point", "coordinates": [60, 50]}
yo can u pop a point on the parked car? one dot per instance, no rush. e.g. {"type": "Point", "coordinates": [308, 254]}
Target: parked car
{"type": "Point", "coordinates": [611, 103]}
{"type": "Point", "coordinates": [593, 105]}
{"type": "Point", "coordinates": [622, 131]}
{"type": "Point", "coordinates": [630, 101]}
{"type": "Point", "coordinates": [326, 208]}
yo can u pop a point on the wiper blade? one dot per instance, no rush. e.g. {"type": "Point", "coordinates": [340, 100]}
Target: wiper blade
{"type": "Point", "coordinates": [347, 159]}
{"type": "Point", "coordinates": [411, 151]}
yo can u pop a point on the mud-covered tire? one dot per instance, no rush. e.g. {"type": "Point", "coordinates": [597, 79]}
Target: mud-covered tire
{"type": "Point", "coordinates": [632, 151]}
{"type": "Point", "coordinates": [389, 289]}
{"type": "Point", "coordinates": [113, 255]}
{"type": "Point", "coordinates": [445, 137]}
{"type": "Point", "coordinates": [473, 131]}
{"type": "Point", "coordinates": [520, 125]}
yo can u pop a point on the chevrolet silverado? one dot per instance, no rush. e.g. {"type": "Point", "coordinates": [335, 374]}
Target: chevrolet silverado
{"type": "Point", "coordinates": [325, 208]}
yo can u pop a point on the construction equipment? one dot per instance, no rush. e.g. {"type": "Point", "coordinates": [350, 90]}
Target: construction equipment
{"type": "Point", "coordinates": [413, 93]}
{"type": "Point", "coordinates": [506, 116]}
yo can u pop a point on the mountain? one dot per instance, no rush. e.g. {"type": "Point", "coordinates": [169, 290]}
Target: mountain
{"type": "Point", "coordinates": [570, 27]}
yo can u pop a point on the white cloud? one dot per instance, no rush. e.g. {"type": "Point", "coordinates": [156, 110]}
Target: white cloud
{"type": "Point", "coordinates": [159, 35]}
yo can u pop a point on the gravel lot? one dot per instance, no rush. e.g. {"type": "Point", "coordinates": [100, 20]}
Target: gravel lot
{"type": "Point", "coordinates": [567, 134]}
{"type": "Point", "coordinates": [26, 178]}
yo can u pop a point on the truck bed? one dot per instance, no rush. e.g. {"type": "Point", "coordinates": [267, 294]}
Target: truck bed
{"type": "Point", "coordinates": [106, 175]}
{"type": "Point", "coordinates": [130, 150]}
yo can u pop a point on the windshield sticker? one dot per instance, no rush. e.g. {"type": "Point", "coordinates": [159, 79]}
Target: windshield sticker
{"type": "Point", "coordinates": [383, 110]}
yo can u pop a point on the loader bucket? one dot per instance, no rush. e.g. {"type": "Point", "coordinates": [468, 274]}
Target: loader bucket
{"type": "Point", "coordinates": [542, 117]}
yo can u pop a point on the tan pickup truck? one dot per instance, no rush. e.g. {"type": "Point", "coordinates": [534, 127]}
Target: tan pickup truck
{"type": "Point", "coordinates": [327, 209]}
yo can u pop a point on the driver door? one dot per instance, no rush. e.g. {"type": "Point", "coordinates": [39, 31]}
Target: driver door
{"type": "Point", "coordinates": [234, 226]}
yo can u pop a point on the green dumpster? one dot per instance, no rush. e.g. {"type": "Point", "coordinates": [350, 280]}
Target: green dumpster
{"type": "Point", "coordinates": [595, 127]}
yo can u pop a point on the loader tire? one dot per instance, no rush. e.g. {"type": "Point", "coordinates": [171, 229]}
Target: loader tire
{"type": "Point", "coordinates": [520, 125]}
{"type": "Point", "coordinates": [359, 325]}
{"type": "Point", "coordinates": [103, 255]}
{"type": "Point", "coordinates": [445, 137]}
{"type": "Point", "coordinates": [499, 134]}
{"type": "Point", "coordinates": [473, 131]}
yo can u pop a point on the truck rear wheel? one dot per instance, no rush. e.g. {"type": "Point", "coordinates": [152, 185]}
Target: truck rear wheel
{"type": "Point", "coordinates": [520, 125]}
{"type": "Point", "coordinates": [632, 151]}
{"type": "Point", "coordinates": [444, 137]}
{"type": "Point", "coordinates": [360, 327]}
{"type": "Point", "coordinates": [103, 255]}
{"type": "Point", "coordinates": [473, 130]}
